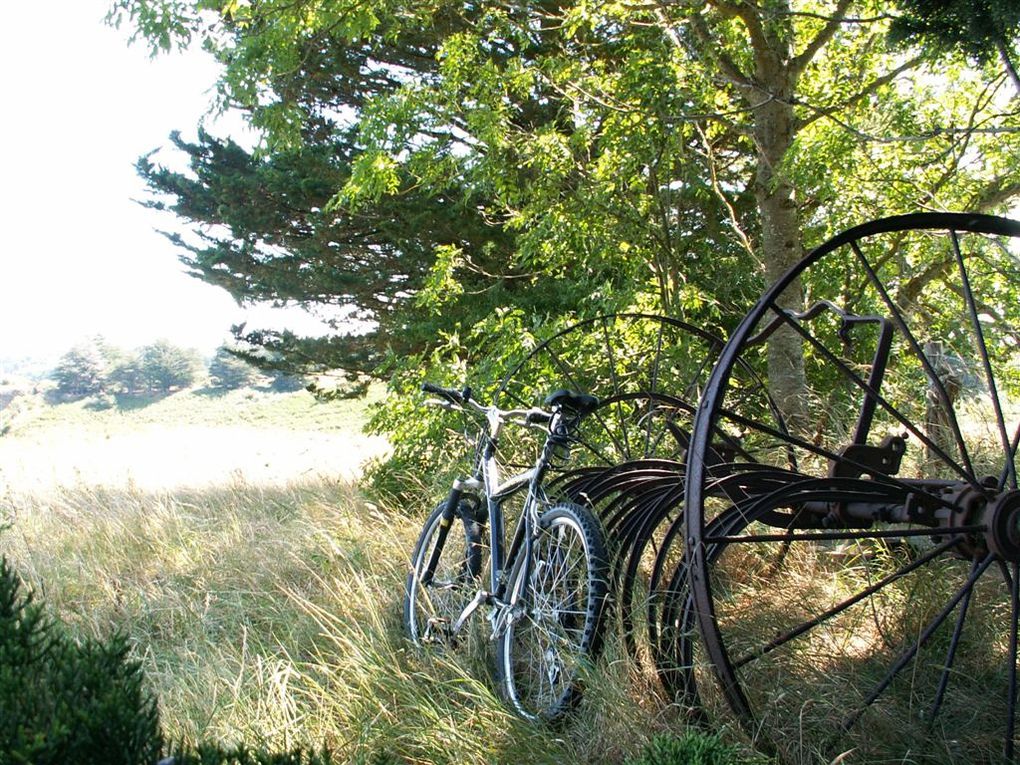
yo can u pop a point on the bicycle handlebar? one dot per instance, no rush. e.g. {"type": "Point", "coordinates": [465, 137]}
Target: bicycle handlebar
{"type": "Point", "coordinates": [462, 398]}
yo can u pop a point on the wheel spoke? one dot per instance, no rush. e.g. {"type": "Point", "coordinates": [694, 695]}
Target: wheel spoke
{"type": "Point", "coordinates": [909, 654]}
{"type": "Point", "coordinates": [613, 375]}
{"type": "Point", "coordinates": [901, 324]}
{"type": "Point", "coordinates": [654, 386]}
{"type": "Point", "coordinates": [841, 536]}
{"type": "Point", "coordinates": [986, 363]}
{"type": "Point", "coordinates": [954, 643]}
{"type": "Point", "coordinates": [1009, 746]}
{"type": "Point", "coordinates": [810, 624]}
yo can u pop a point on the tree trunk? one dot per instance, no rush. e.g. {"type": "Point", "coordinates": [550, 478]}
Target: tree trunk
{"type": "Point", "coordinates": [780, 240]}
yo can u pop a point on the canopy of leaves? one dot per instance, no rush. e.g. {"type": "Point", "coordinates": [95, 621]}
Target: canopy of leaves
{"type": "Point", "coordinates": [977, 27]}
{"type": "Point", "coordinates": [452, 178]}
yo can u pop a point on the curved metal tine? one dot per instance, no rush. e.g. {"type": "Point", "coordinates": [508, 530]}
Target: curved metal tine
{"type": "Point", "coordinates": [923, 638]}
{"type": "Point", "coordinates": [967, 474]}
{"type": "Point", "coordinates": [901, 324]}
{"type": "Point", "coordinates": [986, 362]}
{"type": "Point", "coordinates": [630, 578]}
{"type": "Point", "coordinates": [642, 502]}
{"type": "Point", "coordinates": [947, 666]}
{"type": "Point", "coordinates": [810, 624]}
{"type": "Point", "coordinates": [1009, 744]}
{"type": "Point", "coordinates": [654, 386]}
{"type": "Point", "coordinates": [616, 385]}
{"type": "Point", "coordinates": [675, 529]}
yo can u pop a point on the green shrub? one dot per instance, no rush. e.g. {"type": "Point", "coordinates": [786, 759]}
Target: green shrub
{"type": "Point", "coordinates": [62, 701]}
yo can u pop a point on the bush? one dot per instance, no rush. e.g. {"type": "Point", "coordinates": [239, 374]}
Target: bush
{"type": "Point", "coordinates": [62, 701]}
{"type": "Point", "coordinates": [80, 372]}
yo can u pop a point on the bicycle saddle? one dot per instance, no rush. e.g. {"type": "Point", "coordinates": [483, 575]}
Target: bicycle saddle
{"type": "Point", "coordinates": [578, 403]}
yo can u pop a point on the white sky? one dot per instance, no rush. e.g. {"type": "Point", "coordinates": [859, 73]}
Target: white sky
{"type": "Point", "coordinates": [77, 256]}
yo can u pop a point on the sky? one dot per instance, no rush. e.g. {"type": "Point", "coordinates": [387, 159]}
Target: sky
{"type": "Point", "coordinates": [78, 256]}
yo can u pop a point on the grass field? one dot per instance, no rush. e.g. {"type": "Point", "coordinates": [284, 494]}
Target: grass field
{"type": "Point", "coordinates": [189, 439]}
{"type": "Point", "coordinates": [227, 537]}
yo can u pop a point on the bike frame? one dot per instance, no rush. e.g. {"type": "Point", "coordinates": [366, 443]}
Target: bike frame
{"type": "Point", "coordinates": [486, 485]}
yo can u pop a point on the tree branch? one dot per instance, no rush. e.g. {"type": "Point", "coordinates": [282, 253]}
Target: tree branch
{"type": "Point", "coordinates": [727, 66]}
{"type": "Point", "coordinates": [871, 87]}
{"type": "Point", "coordinates": [1007, 61]}
{"type": "Point", "coordinates": [828, 31]}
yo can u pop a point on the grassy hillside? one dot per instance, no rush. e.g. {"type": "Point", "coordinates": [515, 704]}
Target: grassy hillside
{"type": "Point", "coordinates": [190, 438]}
{"type": "Point", "coordinates": [267, 610]}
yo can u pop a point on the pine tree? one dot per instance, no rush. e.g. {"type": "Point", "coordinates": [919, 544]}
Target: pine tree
{"type": "Point", "coordinates": [81, 372]}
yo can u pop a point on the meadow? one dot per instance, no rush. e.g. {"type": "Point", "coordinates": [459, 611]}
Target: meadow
{"type": "Point", "coordinates": [228, 537]}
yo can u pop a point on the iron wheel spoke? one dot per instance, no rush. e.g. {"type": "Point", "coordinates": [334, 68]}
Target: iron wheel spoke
{"type": "Point", "coordinates": [954, 643]}
{"type": "Point", "coordinates": [911, 652]}
{"type": "Point", "coordinates": [806, 626]}
{"type": "Point", "coordinates": [1009, 467]}
{"type": "Point", "coordinates": [1009, 745]}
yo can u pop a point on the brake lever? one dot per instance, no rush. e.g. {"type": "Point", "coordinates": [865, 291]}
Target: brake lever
{"type": "Point", "coordinates": [442, 403]}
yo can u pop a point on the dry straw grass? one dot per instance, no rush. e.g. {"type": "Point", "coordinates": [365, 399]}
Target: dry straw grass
{"type": "Point", "coordinates": [268, 612]}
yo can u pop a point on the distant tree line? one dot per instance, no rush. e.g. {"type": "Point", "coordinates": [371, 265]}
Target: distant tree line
{"type": "Point", "coordinates": [96, 368]}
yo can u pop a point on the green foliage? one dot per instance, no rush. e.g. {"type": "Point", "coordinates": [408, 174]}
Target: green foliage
{"type": "Point", "coordinates": [694, 748]}
{"type": "Point", "coordinates": [62, 701]}
{"type": "Point", "coordinates": [229, 372]}
{"type": "Point", "coordinates": [97, 369]}
{"type": "Point", "coordinates": [978, 28]}
{"type": "Point", "coordinates": [164, 366]}
{"type": "Point", "coordinates": [446, 181]}
{"type": "Point", "coordinates": [81, 372]}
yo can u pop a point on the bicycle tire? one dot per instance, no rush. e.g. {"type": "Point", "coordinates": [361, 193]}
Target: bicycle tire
{"type": "Point", "coordinates": [555, 630]}
{"type": "Point", "coordinates": [430, 606]}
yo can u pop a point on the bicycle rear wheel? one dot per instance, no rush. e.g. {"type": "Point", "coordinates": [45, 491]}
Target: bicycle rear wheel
{"type": "Point", "coordinates": [555, 629]}
{"type": "Point", "coordinates": [433, 601]}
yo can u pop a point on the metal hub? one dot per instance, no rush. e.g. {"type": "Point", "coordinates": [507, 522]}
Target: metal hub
{"type": "Point", "coordinates": [1002, 516]}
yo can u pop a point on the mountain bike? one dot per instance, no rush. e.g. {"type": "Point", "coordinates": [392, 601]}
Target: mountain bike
{"type": "Point", "coordinates": [546, 590]}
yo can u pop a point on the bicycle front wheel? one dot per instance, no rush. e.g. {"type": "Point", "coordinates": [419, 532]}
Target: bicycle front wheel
{"type": "Point", "coordinates": [554, 630]}
{"type": "Point", "coordinates": [434, 599]}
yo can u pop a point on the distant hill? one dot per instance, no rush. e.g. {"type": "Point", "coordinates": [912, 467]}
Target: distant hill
{"type": "Point", "coordinates": [34, 368]}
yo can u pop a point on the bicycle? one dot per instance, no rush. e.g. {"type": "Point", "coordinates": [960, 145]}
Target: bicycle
{"type": "Point", "coordinates": [546, 592]}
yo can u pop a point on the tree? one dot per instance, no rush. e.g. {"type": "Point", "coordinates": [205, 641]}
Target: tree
{"type": "Point", "coordinates": [81, 372]}
{"type": "Point", "coordinates": [229, 372]}
{"type": "Point", "coordinates": [981, 29]}
{"type": "Point", "coordinates": [164, 367]}
{"type": "Point", "coordinates": [486, 169]}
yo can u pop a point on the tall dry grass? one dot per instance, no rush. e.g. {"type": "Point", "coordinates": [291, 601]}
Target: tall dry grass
{"type": "Point", "coordinates": [272, 616]}
{"type": "Point", "coordinates": [265, 600]}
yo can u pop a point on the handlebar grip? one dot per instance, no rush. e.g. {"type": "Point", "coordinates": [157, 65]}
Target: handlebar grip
{"type": "Point", "coordinates": [428, 387]}
{"type": "Point", "coordinates": [455, 396]}
{"type": "Point", "coordinates": [538, 417]}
